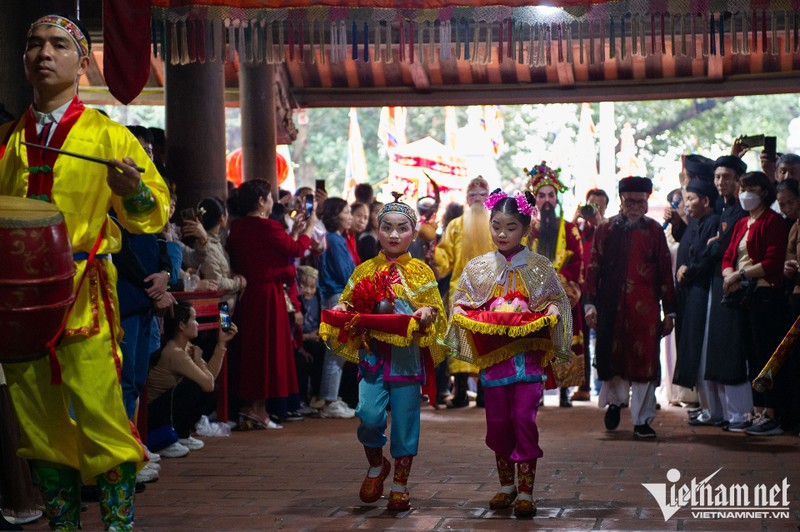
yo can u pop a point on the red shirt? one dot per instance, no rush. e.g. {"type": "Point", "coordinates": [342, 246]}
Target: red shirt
{"type": "Point", "coordinates": [766, 245]}
{"type": "Point", "coordinates": [352, 247]}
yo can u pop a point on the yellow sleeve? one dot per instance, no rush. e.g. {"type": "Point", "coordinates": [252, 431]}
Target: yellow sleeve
{"type": "Point", "coordinates": [444, 256]}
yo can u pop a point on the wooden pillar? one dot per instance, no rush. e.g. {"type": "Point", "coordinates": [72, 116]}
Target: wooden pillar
{"type": "Point", "coordinates": [195, 109]}
{"type": "Point", "coordinates": [259, 130]}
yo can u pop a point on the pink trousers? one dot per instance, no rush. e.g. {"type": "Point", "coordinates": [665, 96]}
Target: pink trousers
{"type": "Point", "coordinates": [511, 420]}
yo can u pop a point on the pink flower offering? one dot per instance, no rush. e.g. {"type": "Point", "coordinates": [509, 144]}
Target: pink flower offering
{"type": "Point", "coordinates": [502, 304]}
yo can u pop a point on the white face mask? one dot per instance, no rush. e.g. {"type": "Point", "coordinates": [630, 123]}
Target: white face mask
{"type": "Point", "coordinates": [749, 200]}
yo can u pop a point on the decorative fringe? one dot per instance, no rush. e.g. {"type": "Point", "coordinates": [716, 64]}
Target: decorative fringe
{"type": "Point", "coordinates": [175, 52]}
{"type": "Point", "coordinates": [602, 43]}
{"type": "Point", "coordinates": [193, 36]}
{"type": "Point", "coordinates": [349, 350]}
{"type": "Point", "coordinates": [570, 57]}
{"type": "Point", "coordinates": [712, 40]}
{"type": "Point", "coordinates": [745, 35]}
{"type": "Point", "coordinates": [612, 40]}
{"type": "Point", "coordinates": [774, 32]}
{"type": "Point", "coordinates": [512, 331]}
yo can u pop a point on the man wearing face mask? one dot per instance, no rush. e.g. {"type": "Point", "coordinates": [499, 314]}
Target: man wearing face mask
{"type": "Point", "coordinates": [560, 242]}
{"type": "Point", "coordinates": [628, 286]}
{"type": "Point", "coordinates": [755, 256]}
{"type": "Point", "coordinates": [726, 359]}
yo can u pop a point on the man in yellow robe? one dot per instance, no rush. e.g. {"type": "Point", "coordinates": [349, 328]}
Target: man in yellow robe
{"type": "Point", "coordinates": [70, 407]}
{"type": "Point", "coordinates": [465, 238]}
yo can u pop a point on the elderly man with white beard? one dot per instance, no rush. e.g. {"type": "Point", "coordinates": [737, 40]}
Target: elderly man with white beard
{"type": "Point", "coordinates": [465, 238]}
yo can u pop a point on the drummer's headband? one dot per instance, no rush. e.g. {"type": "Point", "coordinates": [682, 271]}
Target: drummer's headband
{"type": "Point", "coordinates": [398, 207]}
{"type": "Point", "coordinates": [69, 27]}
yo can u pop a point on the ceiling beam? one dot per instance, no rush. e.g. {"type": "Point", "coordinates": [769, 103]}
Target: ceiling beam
{"type": "Point", "coordinates": [509, 94]}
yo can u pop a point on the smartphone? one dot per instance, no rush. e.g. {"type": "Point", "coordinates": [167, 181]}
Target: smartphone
{"type": "Point", "coordinates": [751, 141]}
{"type": "Point", "coordinates": [319, 184]}
{"type": "Point", "coordinates": [309, 205]}
{"type": "Point", "coordinates": [188, 214]}
{"type": "Point", "coordinates": [224, 317]}
{"type": "Point", "coordinates": [770, 146]}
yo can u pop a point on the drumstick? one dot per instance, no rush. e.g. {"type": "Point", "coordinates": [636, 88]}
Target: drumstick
{"type": "Point", "coordinates": [76, 155]}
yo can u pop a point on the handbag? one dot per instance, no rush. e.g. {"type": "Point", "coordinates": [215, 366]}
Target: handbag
{"type": "Point", "coordinates": [742, 298]}
{"type": "Point", "coordinates": [568, 372]}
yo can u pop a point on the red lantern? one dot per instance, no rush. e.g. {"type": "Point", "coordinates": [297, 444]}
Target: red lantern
{"type": "Point", "coordinates": [233, 167]}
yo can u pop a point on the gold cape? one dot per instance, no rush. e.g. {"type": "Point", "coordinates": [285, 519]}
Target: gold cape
{"type": "Point", "coordinates": [477, 285]}
{"type": "Point", "coordinates": [417, 286]}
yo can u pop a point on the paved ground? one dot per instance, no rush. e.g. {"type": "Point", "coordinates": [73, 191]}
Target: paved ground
{"type": "Point", "coordinates": [307, 476]}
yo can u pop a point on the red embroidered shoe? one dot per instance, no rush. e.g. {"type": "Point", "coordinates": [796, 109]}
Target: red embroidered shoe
{"type": "Point", "coordinates": [398, 501]}
{"type": "Point", "coordinates": [524, 506]}
{"type": "Point", "coordinates": [502, 500]}
{"type": "Point", "coordinates": [372, 487]}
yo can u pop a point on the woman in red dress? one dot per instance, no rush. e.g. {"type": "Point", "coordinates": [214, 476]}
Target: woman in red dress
{"type": "Point", "coordinates": [262, 251]}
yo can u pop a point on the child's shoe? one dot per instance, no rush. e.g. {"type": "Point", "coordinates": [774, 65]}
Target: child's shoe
{"type": "Point", "coordinates": [372, 487]}
{"type": "Point", "coordinates": [398, 501]}
{"type": "Point", "coordinates": [504, 498]}
{"type": "Point", "coordinates": [524, 505]}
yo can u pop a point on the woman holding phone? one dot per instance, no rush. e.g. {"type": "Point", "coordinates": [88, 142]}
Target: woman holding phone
{"type": "Point", "coordinates": [181, 383]}
{"type": "Point", "coordinates": [261, 251]}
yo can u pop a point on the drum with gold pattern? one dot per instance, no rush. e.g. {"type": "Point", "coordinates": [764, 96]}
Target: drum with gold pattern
{"type": "Point", "coordinates": [36, 276]}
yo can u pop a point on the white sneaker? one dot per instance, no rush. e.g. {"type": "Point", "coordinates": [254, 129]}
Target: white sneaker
{"type": "Point", "coordinates": [154, 467]}
{"type": "Point", "coordinates": [176, 450]}
{"type": "Point", "coordinates": [21, 518]}
{"type": "Point", "coordinates": [192, 443]}
{"type": "Point", "coordinates": [337, 409]}
{"type": "Point", "coordinates": [154, 457]}
{"type": "Point", "coordinates": [147, 474]}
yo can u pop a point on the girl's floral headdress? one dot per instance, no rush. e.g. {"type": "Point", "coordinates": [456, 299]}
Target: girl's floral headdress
{"type": "Point", "coordinates": [541, 176]}
{"type": "Point", "coordinates": [523, 206]}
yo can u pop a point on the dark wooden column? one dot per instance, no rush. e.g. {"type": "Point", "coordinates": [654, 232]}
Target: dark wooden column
{"type": "Point", "coordinates": [195, 107]}
{"type": "Point", "coordinates": [259, 131]}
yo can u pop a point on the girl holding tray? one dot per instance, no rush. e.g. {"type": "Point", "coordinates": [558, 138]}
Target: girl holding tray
{"type": "Point", "coordinates": [391, 321]}
{"type": "Point", "coordinates": [510, 318]}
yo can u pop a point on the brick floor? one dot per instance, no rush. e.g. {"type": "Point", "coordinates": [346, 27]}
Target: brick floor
{"type": "Point", "coordinates": [307, 476]}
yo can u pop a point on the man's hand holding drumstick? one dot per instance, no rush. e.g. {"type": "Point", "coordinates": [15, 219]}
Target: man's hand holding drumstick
{"type": "Point", "coordinates": [123, 179]}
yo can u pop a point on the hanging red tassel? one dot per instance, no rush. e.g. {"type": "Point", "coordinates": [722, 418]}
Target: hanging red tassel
{"type": "Point", "coordinates": [410, 42]}
{"type": "Point", "coordinates": [402, 47]}
{"type": "Point", "coordinates": [510, 47]}
{"type": "Point", "coordinates": [663, 37]}
{"type": "Point", "coordinates": [499, 41]}
{"type": "Point", "coordinates": [191, 43]}
{"type": "Point", "coordinates": [291, 41]}
{"type": "Point", "coordinates": [302, 42]}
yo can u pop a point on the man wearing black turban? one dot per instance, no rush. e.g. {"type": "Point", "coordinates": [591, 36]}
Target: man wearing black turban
{"type": "Point", "coordinates": [628, 285]}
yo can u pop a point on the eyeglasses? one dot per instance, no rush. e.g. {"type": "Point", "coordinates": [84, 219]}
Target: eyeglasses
{"type": "Point", "coordinates": [634, 202]}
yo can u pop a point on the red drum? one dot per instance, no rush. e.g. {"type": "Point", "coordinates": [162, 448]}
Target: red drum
{"type": "Point", "coordinates": [36, 275]}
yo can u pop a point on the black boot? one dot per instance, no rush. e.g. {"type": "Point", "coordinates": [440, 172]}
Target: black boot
{"type": "Point", "coordinates": [564, 401]}
{"type": "Point", "coordinates": [460, 399]}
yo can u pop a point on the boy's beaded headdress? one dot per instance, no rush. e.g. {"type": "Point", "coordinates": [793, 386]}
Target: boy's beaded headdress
{"type": "Point", "coordinates": [542, 176]}
{"type": "Point", "coordinates": [398, 207]}
{"type": "Point", "coordinates": [69, 27]}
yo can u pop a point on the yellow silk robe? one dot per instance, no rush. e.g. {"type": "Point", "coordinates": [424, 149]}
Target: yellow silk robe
{"type": "Point", "coordinates": [101, 436]}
